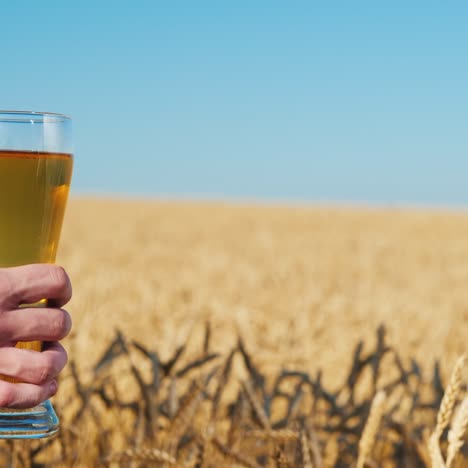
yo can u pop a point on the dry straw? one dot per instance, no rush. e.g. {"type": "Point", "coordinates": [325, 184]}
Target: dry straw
{"type": "Point", "coordinates": [369, 434]}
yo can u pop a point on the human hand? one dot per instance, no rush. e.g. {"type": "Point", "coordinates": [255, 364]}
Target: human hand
{"type": "Point", "coordinates": [37, 371]}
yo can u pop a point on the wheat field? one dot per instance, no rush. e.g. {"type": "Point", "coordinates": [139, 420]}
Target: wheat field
{"type": "Point", "coordinates": [301, 285]}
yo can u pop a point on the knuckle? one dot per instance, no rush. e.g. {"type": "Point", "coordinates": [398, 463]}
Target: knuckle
{"type": "Point", "coordinates": [6, 395]}
{"type": "Point", "coordinates": [45, 372]}
{"type": "Point", "coordinates": [8, 290]}
{"type": "Point", "coordinates": [59, 326]}
{"type": "Point", "coordinates": [59, 277]}
{"type": "Point", "coordinates": [16, 368]}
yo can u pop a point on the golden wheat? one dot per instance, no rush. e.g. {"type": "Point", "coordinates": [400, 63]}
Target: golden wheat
{"type": "Point", "coordinates": [295, 277]}
{"type": "Point", "coordinates": [444, 416]}
{"type": "Point", "coordinates": [451, 395]}
{"type": "Point", "coordinates": [188, 408]}
{"type": "Point", "coordinates": [233, 455]}
{"type": "Point", "coordinates": [301, 285]}
{"type": "Point", "coordinates": [371, 428]}
{"type": "Point", "coordinates": [281, 435]}
{"type": "Point", "coordinates": [142, 454]}
{"type": "Point", "coordinates": [256, 406]}
{"type": "Point", "coordinates": [305, 451]}
{"type": "Point", "coordinates": [314, 445]}
{"type": "Point", "coordinates": [437, 460]}
{"type": "Point", "coordinates": [457, 432]}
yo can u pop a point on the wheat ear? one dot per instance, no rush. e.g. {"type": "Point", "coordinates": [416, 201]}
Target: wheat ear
{"type": "Point", "coordinates": [457, 432]}
{"type": "Point", "coordinates": [280, 435]}
{"type": "Point", "coordinates": [452, 392]}
{"type": "Point", "coordinates": [370, 430]}
{"type": "Point", "coordinates": [142, 454]}
{"type": "Point", "coordinates": [444, 415]}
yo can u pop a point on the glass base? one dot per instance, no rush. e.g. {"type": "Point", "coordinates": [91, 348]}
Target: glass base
{"type": "Point", "coordinates": [33, 423]}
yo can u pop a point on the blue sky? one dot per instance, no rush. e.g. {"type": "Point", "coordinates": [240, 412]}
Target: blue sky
{"type": "Point", "coordinates": [291, 100]}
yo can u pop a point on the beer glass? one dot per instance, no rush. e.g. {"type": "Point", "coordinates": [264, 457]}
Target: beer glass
{"type": "Point", "coordinates": [35, 171]}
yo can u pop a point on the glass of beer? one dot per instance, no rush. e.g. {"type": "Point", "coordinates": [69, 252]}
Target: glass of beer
{"type": "Point", "coordinates": [35, 172]}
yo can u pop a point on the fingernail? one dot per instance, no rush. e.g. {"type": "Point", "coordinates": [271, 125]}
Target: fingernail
{"type": "Point", "coordinates": [53, 387]}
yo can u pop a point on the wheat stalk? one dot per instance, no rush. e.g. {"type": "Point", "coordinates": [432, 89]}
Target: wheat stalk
{"type": "Point", "coordinates": [233, 454]}
{"type": "Point", "coordinates": [187, 410]}
{"type": "Point", "coordinates": [142, 454]}
{"type": "Point", "coordinates": [201, 453]}
{"type": "Point", "coordinates": [280, 459]}
{"type": "Point", "coordinates": [305, 451]}
{"type": "Point", "coordinates": [458, 431]}
{"type": "Point", "coordinates": [437, 461]}
{"type": "Point", "coordinates": [173, 401]}
{"type": "Point", "coordinates": [280, 435]}
{"type": "Point", "coordinates": [367, 440]}
{"type": "Point", "coordinates": [317, 460]}
{"type": "Point", "coordinates": [256, 405]}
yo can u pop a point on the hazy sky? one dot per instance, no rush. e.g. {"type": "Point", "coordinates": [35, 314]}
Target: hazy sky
{"type": "Point", "coordinates": [344, 101]}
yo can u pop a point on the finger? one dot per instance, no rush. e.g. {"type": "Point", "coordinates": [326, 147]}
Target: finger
{"type": "Point", "coordinates": [25, 395]}
{"type": "Point", "coordinates": [31, 366]}
{"type": "Point", "coordinates": [31, 283]}
{"type": "Point", "coordinates": [34, 324]}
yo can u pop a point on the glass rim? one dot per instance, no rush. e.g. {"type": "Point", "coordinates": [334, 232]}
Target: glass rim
{"type": "Point", "coordinates": [28, 116]}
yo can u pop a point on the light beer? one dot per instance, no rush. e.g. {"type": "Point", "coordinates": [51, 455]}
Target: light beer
{"type": "Point", "coordinates": [33, 194]}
